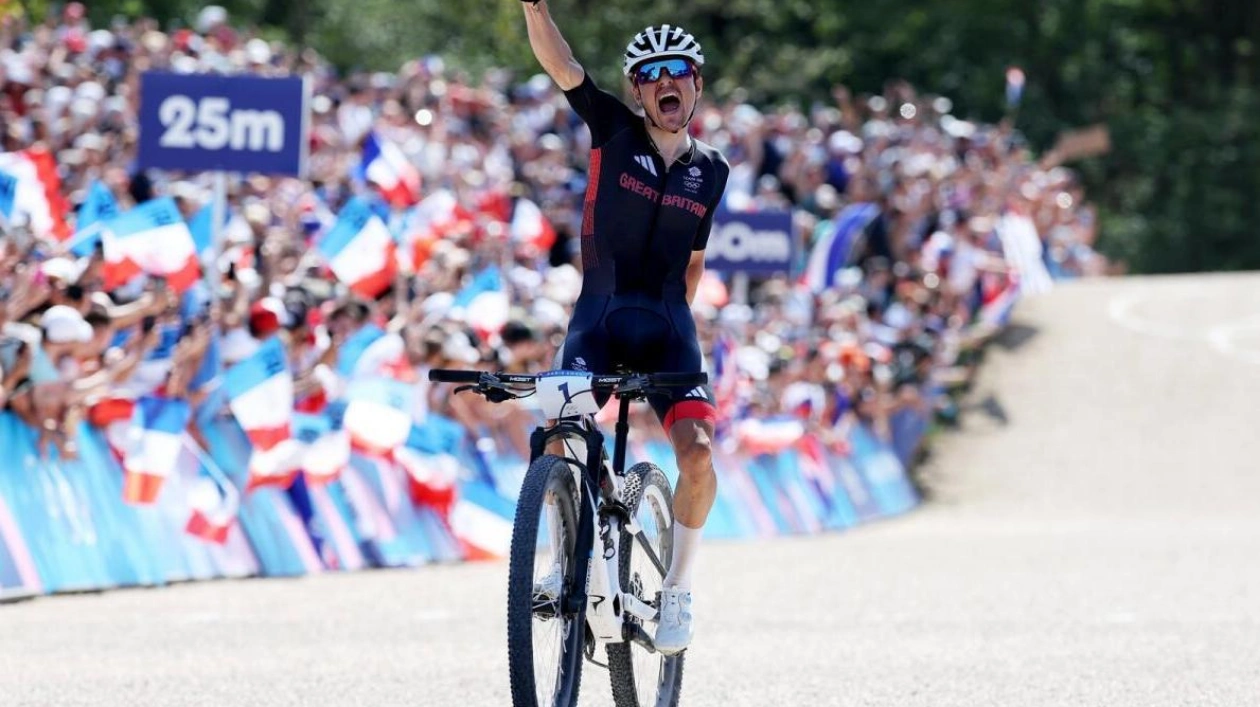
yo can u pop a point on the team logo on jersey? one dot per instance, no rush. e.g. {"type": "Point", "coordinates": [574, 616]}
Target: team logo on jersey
{"type": "Point", "coordinates": [692, 180]}
{"type": "Point", "coordinates": [646, 163]}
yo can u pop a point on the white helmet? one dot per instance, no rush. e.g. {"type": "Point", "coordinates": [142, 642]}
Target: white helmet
{"type": "Point", "coordinates": [658, 42]}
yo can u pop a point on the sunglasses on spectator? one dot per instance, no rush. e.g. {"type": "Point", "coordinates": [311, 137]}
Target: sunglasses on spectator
{"type": "Point", "coordinates": [651, 71]}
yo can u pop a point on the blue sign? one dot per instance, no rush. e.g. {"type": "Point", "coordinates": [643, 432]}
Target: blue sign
{"type": "Point", "coordinates": [198, 122]}
{"type": "Point", "coordinates": [752, 242]}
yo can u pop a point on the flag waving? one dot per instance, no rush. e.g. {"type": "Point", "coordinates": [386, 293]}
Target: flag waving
{"type": "Point", "coordinates": [384, 165]}
{"type": "Point", "coordinates": [378, 415]}
{"type": "Point", "coordinates": [260, 395]}
{"type": "Point", "coordinates": [211, 511]}
{"type": "Point", "coordinates": [151, 238]}
{"type": "Point", "coordinates": [160, 423]}
{"type": "Point", "coordinates": [99, 206]}
{"type": "Point", "coordinates": [37, 193]}
{"type": "Point", "coordinates": [360, 250]}
{"type": "Point", "coordinates": [530, 226]}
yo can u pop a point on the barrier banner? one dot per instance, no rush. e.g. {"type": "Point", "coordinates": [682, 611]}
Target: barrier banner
{"type": "Point", "coordinates": [65, 526]}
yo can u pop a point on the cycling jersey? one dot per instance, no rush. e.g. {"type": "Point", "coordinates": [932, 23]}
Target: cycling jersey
{"type": "Point", "coordinates": [641, 223]}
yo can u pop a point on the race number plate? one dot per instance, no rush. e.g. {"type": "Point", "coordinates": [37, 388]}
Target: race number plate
{"type": "Point", "coordinates": [566, 394]}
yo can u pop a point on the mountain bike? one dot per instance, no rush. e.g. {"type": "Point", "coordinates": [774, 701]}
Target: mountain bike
{"type": "Point", "coordinates": [591, 542]}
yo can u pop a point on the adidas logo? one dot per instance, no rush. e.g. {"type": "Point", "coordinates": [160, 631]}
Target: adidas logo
{"type": "Point", "coordinates": [646, 163]}
{"type": "Point", "coordinates": [697, 392]}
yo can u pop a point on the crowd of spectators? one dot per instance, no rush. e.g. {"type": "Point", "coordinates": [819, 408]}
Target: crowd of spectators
{"type": "Point", "coordinates": [892, 332]}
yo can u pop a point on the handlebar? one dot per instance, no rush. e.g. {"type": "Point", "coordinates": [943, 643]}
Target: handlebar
{"type": "Point", "coordinates": [506, 386]}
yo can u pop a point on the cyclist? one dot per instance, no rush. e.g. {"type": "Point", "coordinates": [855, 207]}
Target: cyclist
{"type": "Point", "coordinates": [649, 206]}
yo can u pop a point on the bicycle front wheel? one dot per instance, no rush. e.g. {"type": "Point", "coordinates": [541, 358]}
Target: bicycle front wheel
{"type": "Point", "coordinates": [643, 678]}
{"type": "Point", "coordinates": [544, 645]}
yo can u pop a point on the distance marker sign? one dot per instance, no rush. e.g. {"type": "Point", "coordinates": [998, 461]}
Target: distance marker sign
{"type": "Point", "coordinates": [209, 122]}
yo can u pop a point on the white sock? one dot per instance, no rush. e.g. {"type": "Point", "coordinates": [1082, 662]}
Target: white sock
{"type": "Point", "coordinates": [686, 543]}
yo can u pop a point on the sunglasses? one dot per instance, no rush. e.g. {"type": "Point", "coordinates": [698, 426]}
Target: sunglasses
{"type": "Point", "coordinates": [651, 71]}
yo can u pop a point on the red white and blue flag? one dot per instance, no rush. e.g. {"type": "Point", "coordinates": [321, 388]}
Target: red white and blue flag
{"type": "Point", "coordinates": [260, 395]}
{"type": "Point", "coordinates": [212, 511]}
{"type": "Point", "coordinates": [431, 475]}
{"type": "Point", "coordinates": [98, 207]}
{"type": "Point", "coordinates": [37, 191]}
{"type": "Point", "coordinates": [325, 449]}
{"type": "Point", "coordinates": [378, 415]}
{"type": "Point", "coordinates": [530, 226]}
{"type": "Point", "coordinates": [152, 454]}
{"type": "Point", "coordinates": [152, 239]}
{"type": "Point", "coordinates": [439, 215]}
{"type": "Point", "coordinates": [385, 166]}
{"type": "Point", "coordinates": [770, 436]}
{"type": "Point", "coordinates": [482, 522]}
{"type": "Point", "coordinates": [360, 250]}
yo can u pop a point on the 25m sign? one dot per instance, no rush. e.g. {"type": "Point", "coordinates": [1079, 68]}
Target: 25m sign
{"type": "Point", "coordinates": [197, 122]}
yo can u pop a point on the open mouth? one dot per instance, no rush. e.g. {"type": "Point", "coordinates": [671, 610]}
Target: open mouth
{"type": "Point", "coordinates": [669, 104]}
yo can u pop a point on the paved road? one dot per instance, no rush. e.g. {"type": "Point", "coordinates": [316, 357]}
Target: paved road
{"type": "Point", "coordinates": [1093, 541]}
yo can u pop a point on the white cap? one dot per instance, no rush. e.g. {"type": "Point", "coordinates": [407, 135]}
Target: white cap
{"type": "Point", "coordinates": [63, 269]}
{"type": "Point", "coordinates": [64, 325]}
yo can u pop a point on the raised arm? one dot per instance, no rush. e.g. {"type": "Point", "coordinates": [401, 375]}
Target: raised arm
{"type": "Point", "coordinates": [550, 48]}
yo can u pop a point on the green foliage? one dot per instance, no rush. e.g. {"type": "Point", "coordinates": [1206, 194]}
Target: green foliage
{"type": "Point", "coordinates": [1175, 81]}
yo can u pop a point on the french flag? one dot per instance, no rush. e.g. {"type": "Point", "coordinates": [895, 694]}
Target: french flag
{"type": "Point", "coordinates": [530, 226]}
{"type": "Point", "coordinates": [360, 250]}
{"type": "Point", "coordinates": [201, 226]}
{"type": "Point", "coordinates": [211, 511]}
{"type": "Point", "coordinates": [326, 449]}
{"type": "Point", "coordinates": [159, 427]}
{"type": "Point", "coordinates": [997, 308]}
{"type": "Point", "coordinates": [37, 191]}
{"type": "Point", "coordinates": [439, 215]}
{"type": "Point", "coordinates": [151, 238]}
{"type": "Point", "coordinates": [384, 165]}
{"type": "Point", "coordinates": [431, 475]}
{"type": "Point", "coordinates": [482, 522]}
{"type": "Point", "coordinates": [98, 207]}
{"type": "Point", "coordinates": [260, 395]}
{"type": "Point", "coordinates": [770, 436]}
{"type": "Point", "coordinates": [378, 415]}
{"type": "Point", "coordinates": [114, 416]}
{"type": "Point", "coordinates": [355, 346]}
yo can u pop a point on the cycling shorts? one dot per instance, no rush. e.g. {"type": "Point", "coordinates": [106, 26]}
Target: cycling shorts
{"type": "Point", "coordinates": [626, 333]}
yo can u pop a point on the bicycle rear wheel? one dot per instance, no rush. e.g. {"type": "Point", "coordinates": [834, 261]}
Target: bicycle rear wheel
{"type": "Point", "coordinates": [642, 678]}
{"type": "Point", "coordinates": [544, 645]}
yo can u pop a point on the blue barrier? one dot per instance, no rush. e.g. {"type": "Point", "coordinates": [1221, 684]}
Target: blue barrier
{"type": "Point", "coordinates": [64, 525]}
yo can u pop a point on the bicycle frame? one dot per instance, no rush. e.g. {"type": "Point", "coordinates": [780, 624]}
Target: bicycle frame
{"type": "Point", "coordinates": [600, 588]}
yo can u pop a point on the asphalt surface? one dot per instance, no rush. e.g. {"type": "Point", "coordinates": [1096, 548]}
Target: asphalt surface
{"type": "Point", "coordinates": [1094, 539]}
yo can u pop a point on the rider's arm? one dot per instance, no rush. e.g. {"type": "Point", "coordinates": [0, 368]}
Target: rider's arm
{"type": "Point", "coordinates": [550, 48]}
{"type": "Point", "coordinates": [695, 269]}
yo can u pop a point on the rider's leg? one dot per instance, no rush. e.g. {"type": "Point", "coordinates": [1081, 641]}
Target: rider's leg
{"type": "Point", "coordinates": [692, 435]}
{"type": "Point", "coordinates": [694, 495]}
